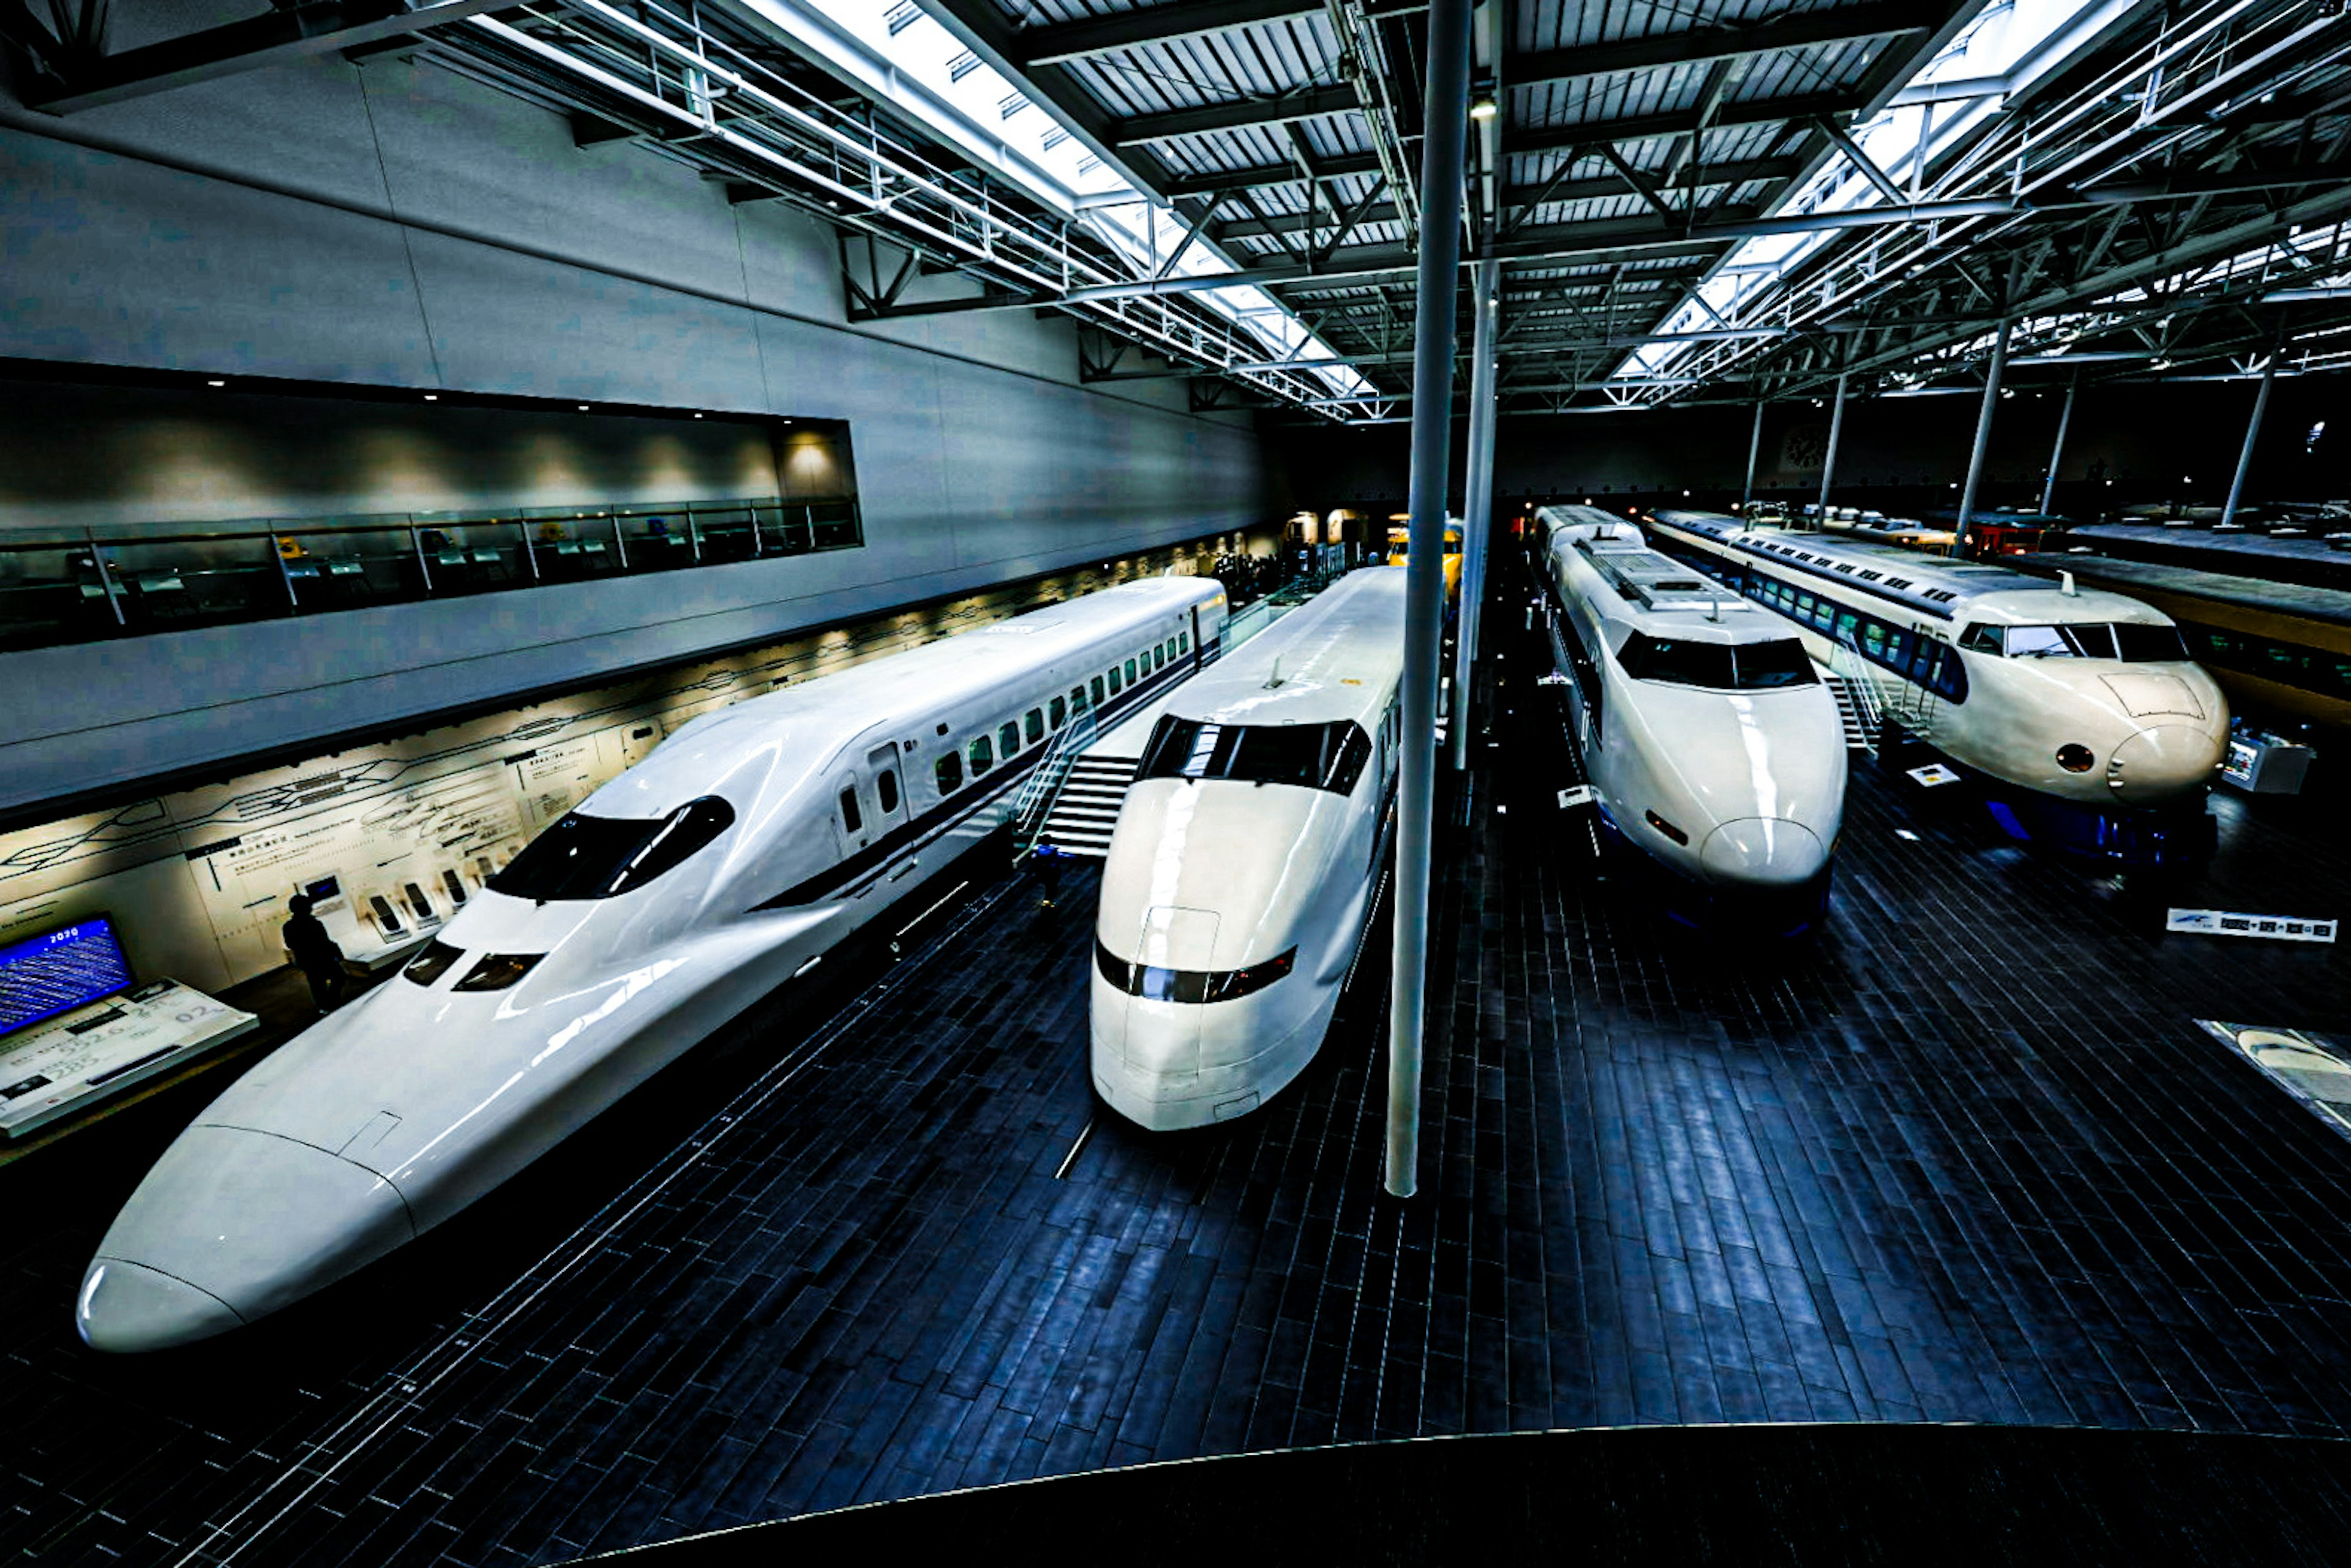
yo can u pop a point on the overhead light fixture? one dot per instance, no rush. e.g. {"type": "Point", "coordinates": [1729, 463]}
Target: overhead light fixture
{"type": "Point", "coordinates": [583, 408]}
{"type": "Point", "coordinates": [215, 383]}
{"type": "Point", "coordinates": [1484, 108]}
{"type": "Point", "coordinates": [432, 397]}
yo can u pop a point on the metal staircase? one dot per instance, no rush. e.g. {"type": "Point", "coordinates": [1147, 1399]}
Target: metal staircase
{"type": "Point", "coordinates": [1857, 695]}
{"type": "Point", "coordinates": [1856, 735]}
{"type": "Point", "coordinates": [1086, 810]}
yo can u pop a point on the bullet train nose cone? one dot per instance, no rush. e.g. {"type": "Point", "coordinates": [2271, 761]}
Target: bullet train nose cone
{"type": "Point", "coordinates": [249, 1221]}
{"type": "Point", "coordinates": [126, 1308]}
{"type": "Point", "coordinates": [2160, 763]}
{"type": "Point", "coordinates": [1763, 852]}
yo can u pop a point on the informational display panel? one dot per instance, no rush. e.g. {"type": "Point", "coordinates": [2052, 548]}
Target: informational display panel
{"type": "Point", "coordinates": [58, 971]}
{"type": "Point", "coordinates": [408, 829]}
{"type": "Point", "coordinates": [97, 1053]}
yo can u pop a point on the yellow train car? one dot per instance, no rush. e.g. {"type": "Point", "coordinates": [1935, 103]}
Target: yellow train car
{"type": "Point", "coordinates": [1399, 550]}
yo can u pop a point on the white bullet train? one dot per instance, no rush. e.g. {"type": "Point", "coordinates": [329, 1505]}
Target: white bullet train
{"type": "Point", "coordinates": [1713, 747]}
{"type": "Point", "coordinates": [2078, 715]}
{"type": "Point", "coordinates": [1245, 862]}
{"type": "Point", "coordinates": [726, 861]}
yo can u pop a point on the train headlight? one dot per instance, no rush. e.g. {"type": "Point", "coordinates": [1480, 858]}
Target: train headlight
{"type": "Point", "coordinates": [1666, 828]}
{"type": "Point", "coordinates": [2074, 759]}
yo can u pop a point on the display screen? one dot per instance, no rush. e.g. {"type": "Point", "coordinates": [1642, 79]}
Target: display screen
{"type": "Point", "coordinates": [325, 887]}
{"type": "Point", "coordinates": [60, 971]}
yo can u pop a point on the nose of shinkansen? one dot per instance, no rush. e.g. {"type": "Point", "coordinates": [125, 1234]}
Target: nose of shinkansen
{"type": "Point", "coordinates": [1764, 852]}
{"type": "Point", "coordinates": [228, 1226]}
{"type": "Point", "coordinates": [2164, 762]}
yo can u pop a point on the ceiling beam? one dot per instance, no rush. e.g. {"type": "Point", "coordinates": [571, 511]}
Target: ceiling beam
{"type": "Point", "coordinates": [1060, 42]}
{"type": "Point", "coordinates": [1879, 19]}
{"type": "Point", "coordinates": [1145, 129]}
{"type": "Point", "coordinates": [1524, 139]}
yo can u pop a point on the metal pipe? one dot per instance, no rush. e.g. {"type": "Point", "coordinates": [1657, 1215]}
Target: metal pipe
{"type": "Point", "coordinates": [2057, 453]}
{"type": "Point", "coordinates": [1828, 461]}
{"type": "Point", "coordinates": [1983, 438]}
{"type": "Point", "coordinates": [1754, 451]}
{"type": "Point", "coordinates": [1444, 133]}
{"type": "Point", "coordinates": [1477, 499]}
{"type": "Point", "coordinates": [2252, 435]}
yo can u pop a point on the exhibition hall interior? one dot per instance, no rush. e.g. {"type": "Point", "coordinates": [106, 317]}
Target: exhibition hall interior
{"type": "Point", "coordinates": [836, 775]}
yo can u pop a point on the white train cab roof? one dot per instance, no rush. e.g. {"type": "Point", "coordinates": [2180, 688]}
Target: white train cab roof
{"type": "Point", "coordinates": [1658, 594]}
{"type": "Point", "coordinates": [1339, 656]}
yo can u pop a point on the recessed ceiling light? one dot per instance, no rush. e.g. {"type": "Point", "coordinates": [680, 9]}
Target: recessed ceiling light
{"type": "Point", "coordinates": [583, 408]}
{"type": "Point", "coordinates": [215, 383]}
{"type": "Point", "coordinates": [432, 397]}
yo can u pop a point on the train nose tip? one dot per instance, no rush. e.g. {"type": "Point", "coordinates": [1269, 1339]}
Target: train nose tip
{"type": "Point", "coordinates": [2157, 764]}
{"type": "Point", "coordinates": [249, 1221]}
{"type": "Point", "coordinates": [126, 1308]}
{"type": "Point", "coordinates": [1767, 852]}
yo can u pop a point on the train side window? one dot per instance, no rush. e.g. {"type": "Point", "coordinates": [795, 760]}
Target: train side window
{"type": "Point", "coordinates": [1168, 649]}
{"type": "Point", "coordinates": [1033, 722]}
{"type": "Point", "coordinates": [886, 786]}
{"type": "Point", "coordinates": [1008, 738]}
{"type": "Point", "coordinates": [1130, 672]}
{"type": "Point", "coordinates": [1060, 713]}
{"type": "Point", "coordinates": [1115, 685]}
{"type": "Point", "coordinates": [948, 772]}
{"type": "Point", "coordinates": [1873, 641]}
{"type": "Point", "coordinates": [1097, 686]}
{"type": "Point", "coordinates": [1183, 641]}
{"type": "Point", "coordinates": [983, 754]}
{"type": "Point", "coordinates": [1848, 621]}
{"type": "Point", "coordinates": [849, 817]}
{"type": "Point", "coordinates": [1077, 699]}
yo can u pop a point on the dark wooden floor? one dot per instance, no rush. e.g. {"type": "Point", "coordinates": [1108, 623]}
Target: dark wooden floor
{"type": "Point", "coordinates": [1963, 1157]}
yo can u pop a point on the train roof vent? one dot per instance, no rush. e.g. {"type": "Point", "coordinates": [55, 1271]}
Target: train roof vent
{"type": "Point", "coordinates": [1867, 575]}
{"type": "Point", "coordinates": [1845, 565]}
{"type": "Point", "coordinates": [1898, 582]}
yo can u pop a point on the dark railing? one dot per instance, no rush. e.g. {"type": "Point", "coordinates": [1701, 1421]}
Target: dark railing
{"type": "Point", "coordinates": [60, 590]}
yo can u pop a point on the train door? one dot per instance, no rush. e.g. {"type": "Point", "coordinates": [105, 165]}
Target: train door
{"type": "Point", "coordinates": [882, 776]}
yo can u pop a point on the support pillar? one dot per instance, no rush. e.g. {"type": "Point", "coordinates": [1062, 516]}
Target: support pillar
{"type": "Point", "coordinates": [2252, 435]}
{"type": "Point", "coordinates": [1478, 508]}
{"type": "Point", "coordinates": [1983, 437]}
{"type": "Point", "coordinates": [1444, 135]}
{"type": "Point", "coordinates": [1828, 463]}
{"type": "Point", "coordinates": [1754, 451]}
{"type": "Point", "coordinates": [2057, 453]}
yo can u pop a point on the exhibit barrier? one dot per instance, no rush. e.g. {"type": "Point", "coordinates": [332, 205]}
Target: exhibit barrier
{"type": "Point", "coordinates": [56, 592]}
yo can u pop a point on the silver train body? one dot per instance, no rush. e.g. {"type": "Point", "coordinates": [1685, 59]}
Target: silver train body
{"type": "Point", "coordinates": [1711, 745]}
{"type": "Point", "coordinates": [727, 861]}
{"type": "Point", "coordinates": [2080, 710]}
{"type": "Point", "coordinates": [1245, 863]}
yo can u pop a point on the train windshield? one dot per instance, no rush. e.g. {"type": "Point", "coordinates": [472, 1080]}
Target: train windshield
{"type": "Point", "coordinates": [2127, 641]}
{"type": "Point", "coordinates": [1317, 756]}
{"type": "Point", "coordinates": [1719, 666]}
{"type": "Point", "coordinates": [584, 857]}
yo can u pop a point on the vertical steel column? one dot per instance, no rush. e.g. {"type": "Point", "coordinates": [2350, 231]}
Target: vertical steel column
{"type": "Point", "coordinates": [2252, 435]}
{"type": "Point", "coordinates": [2057, 453]}
{"type": "Point", "coordinates": [1478, 512]}
{"type": "Point", "coordinates": [1983, 438]}
{"type": "Point", "coordinates": [1754, 450]}
{"type": "Point", "coordinates": [1828, 463]}
{"type": "Point", "coordinates": [1443, 135]}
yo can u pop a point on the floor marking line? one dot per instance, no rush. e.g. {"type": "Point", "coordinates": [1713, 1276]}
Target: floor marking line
{"type": "Point", "coordinates": [1075, 1149]}
{"type": "Point", "coordinates": [934, 909]}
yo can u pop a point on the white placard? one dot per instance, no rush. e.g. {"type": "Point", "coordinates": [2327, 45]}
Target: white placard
{"type": "Point", "coordinates": [1553, 679]}
{"type": "Point", "coordinates": [1579, 796]}
{"type": "Point", "coordinates": [2276, 927]}
{"type": "Point", "coordinates": [1933, 773]}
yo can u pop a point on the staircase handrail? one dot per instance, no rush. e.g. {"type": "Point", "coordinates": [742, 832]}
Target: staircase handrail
{"type": "Point", "coordinates": [1847, 661]}
{"type": "Point", "coordinates": [1044, 786]}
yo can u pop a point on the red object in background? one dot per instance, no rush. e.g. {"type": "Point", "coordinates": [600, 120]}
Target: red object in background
{"type": "Point", "coordinates": [1988, 538]}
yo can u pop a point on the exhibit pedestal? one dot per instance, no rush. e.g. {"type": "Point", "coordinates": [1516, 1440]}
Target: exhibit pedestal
{"type": "Point", "coordinates": [85, 1057]}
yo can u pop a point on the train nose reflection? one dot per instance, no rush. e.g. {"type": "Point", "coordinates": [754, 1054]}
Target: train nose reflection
{"type": "Point", "coordinates": [2160, 763]}
{"type": "Point", "coordinates": [129, 1307]}
{"type": "Point", "coordinates": [1767, 852]}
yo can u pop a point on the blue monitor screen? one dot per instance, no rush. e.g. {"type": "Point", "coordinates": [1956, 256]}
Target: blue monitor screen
{"type": "Point", "coordinates": [60, 971]}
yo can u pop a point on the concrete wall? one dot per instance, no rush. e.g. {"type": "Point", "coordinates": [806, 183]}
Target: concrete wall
{"type": "Point", "coordinates": [392, 224]}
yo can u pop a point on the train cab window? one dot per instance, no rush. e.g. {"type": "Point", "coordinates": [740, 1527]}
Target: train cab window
{"type": "Point", "coordinates": [1981, 638]}
{"type": "Point", "coordinates": [1314, 756]}
{"type": "Point", "coordinates": [1130, 672]}
{"type": "Point", "coordinates": [947, 771]}
{"type": "Point", "coordinates": [851, 817]}
{"type": "Point", "coordinates": [1115, 687]}
{"type": "Point", "coordinates": [1059, 712]}
{"type": "Point", "coordinates": [433, 963]}
{"type": "Point", "coordinates": [2150, 644]}
{"type": "Point", "coordinates": [1008, 738]}
{"type": "Point", "coordinates": [1033, 722]}
{"type": "Point", "coordinates": [982, 752]}
{"type": "Point", "coordinates": [585, 857]}
{"type": "Point", "coordinates": [1781, 662]}
{"type": "Point", "coordinates": [497, 971]}
{"type": "Point", "coordinates": [886, 786]}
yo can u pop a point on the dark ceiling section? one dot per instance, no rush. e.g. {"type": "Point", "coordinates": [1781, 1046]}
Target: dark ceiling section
{"type": "Point", "coordinates": [2167, 201]}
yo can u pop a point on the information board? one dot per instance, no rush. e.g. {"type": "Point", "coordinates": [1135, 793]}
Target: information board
{"type": "Point", "coordinates": [60, 971]}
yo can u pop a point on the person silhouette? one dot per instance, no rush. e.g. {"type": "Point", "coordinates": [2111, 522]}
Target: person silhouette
{"type": "Point", "coordinates": [315, 952]}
